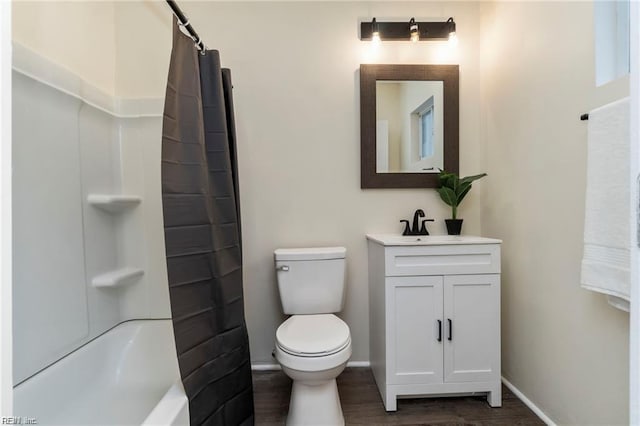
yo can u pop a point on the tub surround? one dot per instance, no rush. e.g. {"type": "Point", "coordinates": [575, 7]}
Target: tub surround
{"type": "Point", "coordinates": [94, 236]}
{"type": "Point", "coordinates": [434, 316]}
{"type": "Point", "coordinates": [126, 376]}
{"type": "Point", "coordinates": [114, 203]}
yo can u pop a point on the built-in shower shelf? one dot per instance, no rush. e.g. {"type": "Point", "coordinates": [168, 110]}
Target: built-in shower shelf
{"type": "Point", "coordinates": [118, 278]}
{"type": "Point", "coordinates": [113, 203]}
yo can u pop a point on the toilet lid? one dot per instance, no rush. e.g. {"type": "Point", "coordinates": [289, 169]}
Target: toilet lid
{"type": "Point", "coordinates": [317, 335]}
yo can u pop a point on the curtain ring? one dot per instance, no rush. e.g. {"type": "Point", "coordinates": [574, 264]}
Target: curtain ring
{"type": "Point", "coordinates": [201, 47]}
{"type": "Point", "coordinates": [199, 43]}
{"type": "Point", "coordinates": [183, 28]}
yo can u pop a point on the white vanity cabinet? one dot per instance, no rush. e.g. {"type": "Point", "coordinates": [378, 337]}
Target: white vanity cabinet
{"type": "Point", "coordinates": [434, 315]}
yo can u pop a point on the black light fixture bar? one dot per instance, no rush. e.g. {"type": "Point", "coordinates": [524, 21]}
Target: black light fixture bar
{"type": "Point", "coordinates": [399, 31]}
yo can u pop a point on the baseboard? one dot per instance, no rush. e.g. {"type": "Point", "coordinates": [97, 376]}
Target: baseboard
{"type": "Point", "coordinates": [265, 367]}
{"type": "Point", "coordinates": [272, 367]}
{"type": "Point", "coordinates": [358, 364]}
{"type": "Point", "coordinates": [538, 412]}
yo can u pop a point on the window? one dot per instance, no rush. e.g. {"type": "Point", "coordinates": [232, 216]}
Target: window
{"type": "Point", "coordinates": [424, 121]}
{"type": "Point", "coordinates": [611, 20]}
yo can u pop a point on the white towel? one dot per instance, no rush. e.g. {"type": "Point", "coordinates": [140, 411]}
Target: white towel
{"type": "Point", "coordinates": [607, 240]}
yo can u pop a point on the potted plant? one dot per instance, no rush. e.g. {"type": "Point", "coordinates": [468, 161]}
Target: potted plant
{"type": "Point", "coordinates": [452, 190]}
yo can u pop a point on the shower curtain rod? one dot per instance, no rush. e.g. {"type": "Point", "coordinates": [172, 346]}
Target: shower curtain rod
{"type": "Point", "coordinates": [186, 26]}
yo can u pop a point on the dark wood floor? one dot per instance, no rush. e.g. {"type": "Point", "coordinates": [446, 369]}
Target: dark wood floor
{"type": "Point", "coordinates": [362, 405]}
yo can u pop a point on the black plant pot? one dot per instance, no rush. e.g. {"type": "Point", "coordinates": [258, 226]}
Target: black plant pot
{"type": "Point", "coordinates": [454, 226]}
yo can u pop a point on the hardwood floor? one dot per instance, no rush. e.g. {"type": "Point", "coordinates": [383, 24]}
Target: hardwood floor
{"type": "Point", "coordinates": [361, 404]}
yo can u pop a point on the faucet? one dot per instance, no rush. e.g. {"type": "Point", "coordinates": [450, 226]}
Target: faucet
{"type": "Point", "coordinates": [416, 217]}
{"type": "Point", "coordinates": [416, 229]}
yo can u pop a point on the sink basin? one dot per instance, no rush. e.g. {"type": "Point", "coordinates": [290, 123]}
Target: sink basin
{"type": "Point", "coordinates": [425, 240]}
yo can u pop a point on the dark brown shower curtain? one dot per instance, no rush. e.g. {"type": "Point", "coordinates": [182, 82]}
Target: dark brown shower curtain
{"type": "Point", "coordinates": [202, 237]}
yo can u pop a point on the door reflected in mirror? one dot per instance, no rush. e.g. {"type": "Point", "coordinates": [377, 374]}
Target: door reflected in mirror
{"type": "Point", "coordinates": [409, 126]}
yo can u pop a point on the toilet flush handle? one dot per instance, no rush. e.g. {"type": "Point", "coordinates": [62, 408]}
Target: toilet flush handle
{"type": "Point", "coordinates": [284, 268]}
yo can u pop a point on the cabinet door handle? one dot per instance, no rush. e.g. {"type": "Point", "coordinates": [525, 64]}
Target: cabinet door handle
{"type": "Point", "coordinates": [450, 329]}
{"type": "Point", "coordinates": [439, 331]}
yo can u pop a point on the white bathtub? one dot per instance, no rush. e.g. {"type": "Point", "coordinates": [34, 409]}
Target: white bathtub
{"type": "Point", "coordinates": [127, 376]}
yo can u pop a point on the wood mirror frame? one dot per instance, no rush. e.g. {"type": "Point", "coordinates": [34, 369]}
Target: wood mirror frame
{"type": "Point", "coordinates": [369, 74]}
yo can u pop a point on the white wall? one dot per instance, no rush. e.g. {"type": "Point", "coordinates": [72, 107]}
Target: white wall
{"type": "Point", "coordinates": [78, 35]}
{"type": "Point", "coordinates": [142, 56]}
{"type": "Point", "coordinates": [564, 347]}
{"type": "Point", "coordinates": [388, 108]}
{"type": "Point", "coordinates": [295, 74]}
{"type": "Point", "coordinates": [6, 335]}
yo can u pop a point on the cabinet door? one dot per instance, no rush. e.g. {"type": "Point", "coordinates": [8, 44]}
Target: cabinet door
{"type": "Point", "coordinates": [472, 328]}
{"type": "Point", "coordinates": [414, 309]}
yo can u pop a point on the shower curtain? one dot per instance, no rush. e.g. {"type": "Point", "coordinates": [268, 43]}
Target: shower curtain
{"type": "Point", "coordinates": [202, 237]}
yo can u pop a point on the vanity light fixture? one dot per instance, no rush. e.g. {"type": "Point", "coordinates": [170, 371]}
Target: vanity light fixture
{"type": "Point", "coordinates": [409, 30]}
{"type": "Point", "coordinates": [413, 30]}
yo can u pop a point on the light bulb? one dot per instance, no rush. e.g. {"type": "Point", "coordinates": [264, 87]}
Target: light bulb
{"type": "Point", "coordinates": [375, 32]}
{"type": "Point", "coordinates": [413, 30]}
{"type": "Point", "coordinates": [453, 39]}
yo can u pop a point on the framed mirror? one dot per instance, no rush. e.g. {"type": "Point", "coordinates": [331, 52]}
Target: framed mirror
{"type": "Point", "coordinates": [409, 124]}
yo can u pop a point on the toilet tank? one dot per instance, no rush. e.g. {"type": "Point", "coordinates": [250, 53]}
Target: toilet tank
{"type": "Point", "coordinates": [311, 280]}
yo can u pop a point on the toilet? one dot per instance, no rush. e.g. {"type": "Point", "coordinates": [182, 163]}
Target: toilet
{"type": "Point", "coordinates": [312, 345]}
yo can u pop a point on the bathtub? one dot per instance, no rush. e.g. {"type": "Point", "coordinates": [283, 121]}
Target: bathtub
{"type": "Point", "coordinates": [127, 376]}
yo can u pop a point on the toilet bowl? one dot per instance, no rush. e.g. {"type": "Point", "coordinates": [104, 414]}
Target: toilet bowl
{"type": "Point", "coordinates": [313, 350]}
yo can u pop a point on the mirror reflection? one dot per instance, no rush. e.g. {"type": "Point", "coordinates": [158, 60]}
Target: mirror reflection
{"type": "Point", "coordinates": [409, 126]}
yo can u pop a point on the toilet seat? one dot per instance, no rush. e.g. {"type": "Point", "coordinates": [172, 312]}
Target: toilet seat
{"type": "Point", "coordinates": [313, 335]}
{"type": "Point", "coordinates": [311, 364]}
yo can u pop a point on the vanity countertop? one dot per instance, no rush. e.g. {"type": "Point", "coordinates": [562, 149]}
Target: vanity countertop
{"type": "Point", "coordinates": [429, 240]}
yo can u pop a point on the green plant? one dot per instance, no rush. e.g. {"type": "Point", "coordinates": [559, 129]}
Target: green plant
{"type": "Point", "coordinates": [453, 189]}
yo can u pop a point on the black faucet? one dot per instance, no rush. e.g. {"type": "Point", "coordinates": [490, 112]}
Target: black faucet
{"type": "Point", "coordinates": [416, 229]}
